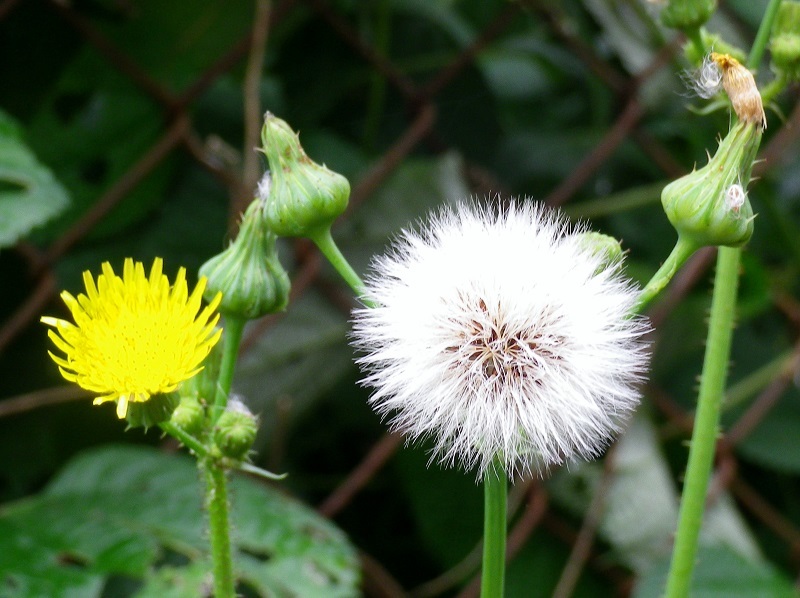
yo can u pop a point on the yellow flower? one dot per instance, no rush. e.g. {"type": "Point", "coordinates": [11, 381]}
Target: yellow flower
{"type": "Point", "coordinates": [134, 336]}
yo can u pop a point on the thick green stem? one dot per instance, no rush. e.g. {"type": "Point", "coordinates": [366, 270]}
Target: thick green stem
{"type": "Point", "coordinates": [232, 337]}
{"type": "Point", "coordinates": [680, 253]}
{"type": "Point", "coordinates": [495, 486]}
{"type": "Point", "coordinates": [704, 436]}
{"type": "Point", "coordinates": [219, 530]}
{"type": "Point", "coordinates": [330, 250]}
{"type": "Point", "coordinates": [762, 37]}
{"type": "Point", "coordinates": [696, 37]}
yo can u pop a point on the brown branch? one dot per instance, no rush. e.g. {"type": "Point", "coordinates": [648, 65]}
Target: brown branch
{"type": "Point", "coordinates": [252, 110]}
{"type": "Point", "coordinates": [376, 458]}
{"type": "Point", "coordinates": [121, 61]}
{"type": "Point", "coordinates": [29, 310]}
{"type": "Point", "coordinates": [582, 547]}
{"type": "Point", "coordinates": [391, 159]}
{"type": "Point", "coordinates": [378, 61]}
{"type": "Point", "coordinates": [41, 398]}
{"type": "Point", "coordinates": [465, 58]}
{"type": "Point", "coordinates": [599, 155]}
{"type": "Point", "coordinates": [124, 185]}
{"type": "Point", "coordinates": [377, 581]}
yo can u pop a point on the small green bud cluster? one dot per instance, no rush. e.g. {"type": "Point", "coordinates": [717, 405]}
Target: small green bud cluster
{"type": "Point", "coordinates": [235, 431]}
{"type": "Point", "coordinates": [785, 42]}
{"type": "Point", "coordinates": [602, 245]}
{"type": "Point", "coordinates": [687, 15]}
{"type": "Point", "coordinates": [710, 206]}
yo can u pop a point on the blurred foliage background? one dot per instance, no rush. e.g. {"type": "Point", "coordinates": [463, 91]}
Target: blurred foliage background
{"type": "Point", "coordinates": [127, 128]}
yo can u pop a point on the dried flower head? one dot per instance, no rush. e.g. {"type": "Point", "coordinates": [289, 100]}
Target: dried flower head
{"type": "Point", "coordinates": [134, 336]}
{"type": "Point", "coordinates": [501, 335]}
{"type": "Point", "coordinates": [741, 88]}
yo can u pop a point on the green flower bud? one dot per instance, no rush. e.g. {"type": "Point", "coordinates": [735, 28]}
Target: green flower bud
{"type": "Point", "coordinates": [602, 245]}
{"type": "Point", "coordinates": [710, 206]}
{"type": "Point", "coordinates": [153, 411]}
{"type": "Point", "coordinates": [235, 431]}
{"type": "Point", "coordinates": [785, 42]}
{"type": "Point", "coordinates": [248, 274]}
{"type": "Point", "coordinates": [687, 14]}
{"type": "Point", "coordinates": [189, 415]}
{"type": "Point", "coordinates": [305, 198]}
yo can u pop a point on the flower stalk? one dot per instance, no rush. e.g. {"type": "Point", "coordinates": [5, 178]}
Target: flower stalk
{"type": "Point", "coordinates": [219, 530]}
{"type": "Point", "coordinates": [704, 435]}
{"type": "Point", "coordinates": [495, 487]}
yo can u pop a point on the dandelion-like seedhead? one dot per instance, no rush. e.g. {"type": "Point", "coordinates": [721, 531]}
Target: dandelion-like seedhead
{"type": "Point", "coordinates": [500, 335]}
{"type": "Point", "coordinates": [134, 336]}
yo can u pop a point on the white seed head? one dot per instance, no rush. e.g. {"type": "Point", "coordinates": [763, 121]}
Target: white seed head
{"type": "Point", "coordinates": [499, 334]}
{"type": "Point", "coordinates": [707, 80]}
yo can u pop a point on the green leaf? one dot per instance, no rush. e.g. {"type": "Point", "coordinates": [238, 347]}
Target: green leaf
{"type": "Point", "coordinates": [720, 573]}
{"type": "Point", "coordinates": [29, 193]}
{"type": "Point", "coordinates": [133, 512]}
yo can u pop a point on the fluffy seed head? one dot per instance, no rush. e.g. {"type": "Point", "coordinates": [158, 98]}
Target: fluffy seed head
{"type": "Point", "coordinates": [500, 334]}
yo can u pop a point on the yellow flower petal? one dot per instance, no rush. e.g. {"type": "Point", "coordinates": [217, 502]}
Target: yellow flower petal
{"type": "Point", "coordinates": [134, 336]}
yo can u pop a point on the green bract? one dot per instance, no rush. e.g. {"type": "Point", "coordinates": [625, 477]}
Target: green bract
{"type": "Point", "coordinates": [603, 245]}
{"type": "Point", "coordinates": [710, 206]}
{"type": "Point", "coordinates": [157, 409]}
{"type": "Point", "coordinates": [248, 274]}
{"type": "Point", "coordinates": [189, 416]}
{"type": "Point", "coordinates": [306, 197]}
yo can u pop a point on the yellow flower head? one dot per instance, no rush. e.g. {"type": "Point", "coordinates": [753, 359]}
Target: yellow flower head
{"type": "Point", "coordinates": [134, 336]}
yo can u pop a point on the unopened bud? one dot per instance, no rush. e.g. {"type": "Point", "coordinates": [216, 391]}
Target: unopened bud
{"type": "Point", "coordinates": [687, 15]}
{"type": "Point", "coordinates": [710, 206]}
{"type": "Point", "coordinates": [604, 246]}
{"type": "Point", "coordinates": [235, 431]}
{"type": "Point", "coordinates": [248, 273]}
{"type": "Point", "coordinates": [785, 42]}
{"type": "Point", "coordinates": [305, 197]}
{"type": "Point", "coordinates": [189, 415]}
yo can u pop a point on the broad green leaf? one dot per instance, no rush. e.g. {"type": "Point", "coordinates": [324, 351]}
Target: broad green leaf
{"type": "Point", "coordinates": [133, 512]}
{"type": "Point", "coordinates": [720, 573]}
{"type": "Point", "coordinates": [29, 193]}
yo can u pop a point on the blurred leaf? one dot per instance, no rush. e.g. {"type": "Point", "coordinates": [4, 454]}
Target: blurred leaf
{"type": "Point", "coordinates": [29, 193]}
{"type": "Point", "coordinates": [304, 354]}
{"type": "Point", "coordinates": [720, 573]}
{"type": "Point", "coordinates": [775, 442]}
{"type": "Point", "coordinates": [124, 511]}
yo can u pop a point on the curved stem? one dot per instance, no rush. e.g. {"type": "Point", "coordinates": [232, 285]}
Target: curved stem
{"type": "Point", "coordinates": [495, 486]}
{"type": "Point", "coordinates": [704, 436]}
{"type": "Point", "coordinates": [680, 253]}
{"type": "Point", "coordinates": [219, 530]}
{"type": "Point", "coordinates": [696, 37]}
{"type": "Point", "coordinates": [330, 250]}
{"type": "Point", "coordinates": [232, 337]}
{"type": "Point", "coordinates": [189, 441]}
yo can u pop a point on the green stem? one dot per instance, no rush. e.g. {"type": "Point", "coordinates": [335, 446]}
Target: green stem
{"type": "Point", "coordinates": [680, 253]}
{"type": "Point", "coordinates": [495, 486]}
{"type": "Point", "coordinates": [219, 530]}
{"type": "Point", "coordinates": [330, 250]}
{"type": "Point", "coordinates": [762, 37]}
{"type": "Point", "coordinates": [696, 37]}
{"type": "Point", "coordinates": [234, 328]}
{"type": "Point", "coordinates": [704, 436]}
{"type": "Point", "coordinates": [189, 441]}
